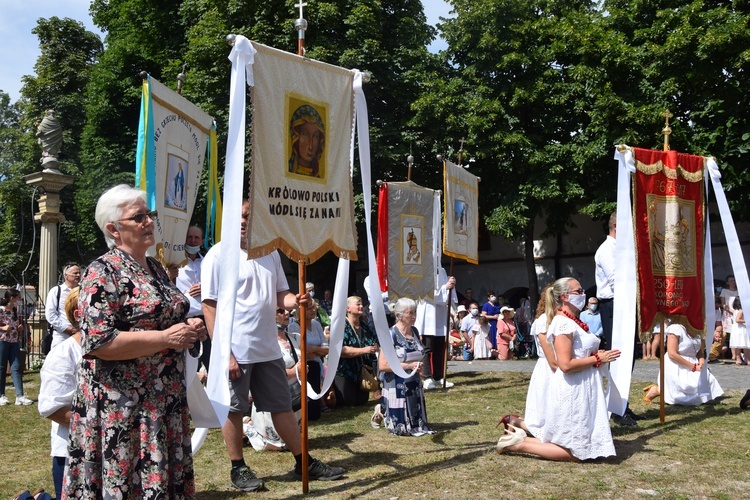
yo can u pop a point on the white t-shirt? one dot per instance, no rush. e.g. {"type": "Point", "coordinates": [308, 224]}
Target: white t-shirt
{"type": "Point", "coordinates": [59, 381]}
{"type": "Point", "coordinates": [54, 311]}
{"type": "Point", "coordinates": [254, 338]}
{"type": "Point", "coordinates": [189, 275]}
{"type": "Point", "coordinates": [605, 269]}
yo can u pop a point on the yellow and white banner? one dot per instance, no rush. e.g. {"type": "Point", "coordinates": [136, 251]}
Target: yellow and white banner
{"type": "Point", "coordinates": [171, 151]}
{"type": "Point", "coordinates": [461, 228]}
{"type": "Point", "coordinates": [300, 187]}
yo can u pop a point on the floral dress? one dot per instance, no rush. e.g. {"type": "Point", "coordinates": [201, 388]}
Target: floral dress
{"type": "Point", "coordinates": [402, 401]}
{"type": "Point", "coordinates": [130, 425]}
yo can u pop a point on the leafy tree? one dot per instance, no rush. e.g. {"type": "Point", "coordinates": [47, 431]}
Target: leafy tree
{"type": "Point", "coordinates": [67, 53]}
{"type": "Point", "coordinates": [521, 87]}
{"type": "Point", "coordinates": [691, 57]}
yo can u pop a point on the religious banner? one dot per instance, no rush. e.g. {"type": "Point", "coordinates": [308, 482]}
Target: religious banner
{"type": "Point", "coordinates": [300, 186]}
{"type": "Point", "coordinates": [407, 235]}
{"type": "Point", "coordinates": [461, 229]}
{"type": "Point", "coordinates": [172, 137]}
{"type": "Point", "coordinates": [669, 231]}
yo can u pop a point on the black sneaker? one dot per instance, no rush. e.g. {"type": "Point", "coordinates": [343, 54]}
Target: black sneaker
{"type": "Point", "coordinates": [634, 415]}
{"type": "Point", "coordinates": [321, 471]}
{"type": "Point", "coordinates": [745, 401]}
{"type": "Point", "coordinates": [244, 479]}
{"type": "Point", "coordinates": [625, 420]}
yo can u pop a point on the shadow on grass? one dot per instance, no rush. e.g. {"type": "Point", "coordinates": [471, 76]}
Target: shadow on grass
{"type": "Point", "coordinates": [675, 418]}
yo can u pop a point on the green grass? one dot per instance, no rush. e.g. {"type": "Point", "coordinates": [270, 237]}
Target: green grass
{"type": "Point", "coordinates": [697, 453]}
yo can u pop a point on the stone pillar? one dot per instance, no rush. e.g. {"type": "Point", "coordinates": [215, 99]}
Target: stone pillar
{"type": "Point", "coordinates": [50, 183]}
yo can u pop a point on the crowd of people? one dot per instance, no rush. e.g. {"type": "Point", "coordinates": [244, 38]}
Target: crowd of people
{"type": "Point", "coordinates": [113, 384]}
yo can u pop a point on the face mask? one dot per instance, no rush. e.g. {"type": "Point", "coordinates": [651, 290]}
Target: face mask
{"type": "Point", "coordinates": [312, 294]}
{"type": "Point", "coordinates": [475, 312]}
{"type": "Point", "coordinates": [192, 250]}
{"type": "Point", "coordinates": [718, 289]}
{"type": "Point", "coordinates": [493, 299]}
{"type": "Point", "coordinates": [578, 301]}
{"type": "Point", "coordinates": [593, 307]}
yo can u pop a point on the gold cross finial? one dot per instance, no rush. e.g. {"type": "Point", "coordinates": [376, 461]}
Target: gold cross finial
{"type": "Point", "coordinates": [666, 130]}
{"type": "Point", "coordinates": [461, 150]}
{"type": "Point", "coordinates": [301, 5]}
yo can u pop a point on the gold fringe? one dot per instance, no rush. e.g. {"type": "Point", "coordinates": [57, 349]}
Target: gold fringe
{"type": "Point", "coordinates": [670, 173]}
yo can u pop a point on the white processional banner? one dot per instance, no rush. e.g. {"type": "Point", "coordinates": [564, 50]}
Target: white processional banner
{"type": "Point", "coordinates": [180, 132]}
{"type": "Point", "coordinates": [300, 186]}
{"type": "Point", "coordinates": [461, 228]}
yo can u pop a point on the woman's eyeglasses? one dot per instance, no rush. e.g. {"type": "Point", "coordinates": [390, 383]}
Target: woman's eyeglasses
{"type": "Point", "coordinates": [577, 292]}
{"type": "Point", "coordinates": [139, 218]}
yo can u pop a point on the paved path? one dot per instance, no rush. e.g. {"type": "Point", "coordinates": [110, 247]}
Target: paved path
{"type": "Point", "coordinates": [730, 377]}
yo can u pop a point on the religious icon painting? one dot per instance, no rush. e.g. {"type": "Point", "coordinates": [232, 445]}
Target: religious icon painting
{"type": "Point", "coordinates": [412, 249]}
{"type": "Point", "coordinates": [671, 228]}
{"type": "Point", "coordinates": [460, 216]}
{"type": "Point", "coordinates": [175, 183]}
{"type": "Point", "coordinates": [306, 138]}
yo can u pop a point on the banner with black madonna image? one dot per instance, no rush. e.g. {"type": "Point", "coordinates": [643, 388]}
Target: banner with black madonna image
{"type": "Point", "coordinates": [302, 131]}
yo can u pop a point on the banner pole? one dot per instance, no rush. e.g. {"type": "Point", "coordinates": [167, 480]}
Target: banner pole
{"type": "Point", "coordinates": [447, 330]}
{"type": "Point", "coordinates": [663, 333]}
{"type": "Point", "coordinates": [301, 25]}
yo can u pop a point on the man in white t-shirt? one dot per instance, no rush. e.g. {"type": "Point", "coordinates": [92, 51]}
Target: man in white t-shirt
{"type": "Point", "coordinates": [188, 281]}
{"type": "Point", "coordinates": [256, 364]}
{"type": "Point", "coordinates": [432, 324]}
{"type": "Point", "coordinates": [54, 309]}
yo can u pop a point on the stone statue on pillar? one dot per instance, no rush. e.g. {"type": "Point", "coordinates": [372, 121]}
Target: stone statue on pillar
{"type": "Point", "coordinates": [50, 136]}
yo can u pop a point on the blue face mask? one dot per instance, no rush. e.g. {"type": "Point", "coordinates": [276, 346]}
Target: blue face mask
{"type": "Point", "coordinates": [718, 289]}
{"type": "Point", "coordinates": [593, 307]}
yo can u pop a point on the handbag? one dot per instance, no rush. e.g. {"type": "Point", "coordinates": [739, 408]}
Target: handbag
{"type": "Point", "coordinates": [295, 390]}
{"type": "Point", "coordinates": [367, 380]}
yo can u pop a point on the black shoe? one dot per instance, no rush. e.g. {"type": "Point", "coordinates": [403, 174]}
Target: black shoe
{"type": "Point", "coordinates": [626, 420]}
{"type": "Point", "coordinates": [321, 471]}
{"type": "Point", "coordinates": [634, 415]}
{"type": "Point", "coordinates": [713, 361]}
{"type": "Point", "coordinates": [745, 401]}
{"type": "Point", "coordinates": [244, 479]}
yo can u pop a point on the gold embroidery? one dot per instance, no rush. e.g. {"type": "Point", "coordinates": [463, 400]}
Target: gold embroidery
{"type": "Point", "coordinates": [670, 173]}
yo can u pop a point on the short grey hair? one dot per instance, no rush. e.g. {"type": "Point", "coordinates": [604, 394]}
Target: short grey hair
{"type": "Point", "coordinates": [111, 204]}
{"type": "Point", "coordinates": [402, 305]}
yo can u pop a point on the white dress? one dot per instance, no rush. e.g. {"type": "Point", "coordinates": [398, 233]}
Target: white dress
{"type": "Point", "coordinates": [727, 317]}
{"type": "Point", "coordinates": [683, 386]}
{"type": "Point", "coordinates": [481, 336]}
{"type": "Point", "coordinates": [738, 339]}
{"type": "Point", "coordinates": [536, 398]}
{"type": "Point", "coordinates": [576, 416]}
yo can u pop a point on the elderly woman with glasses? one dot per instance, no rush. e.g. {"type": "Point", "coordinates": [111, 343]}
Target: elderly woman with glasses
{"type": "Point", "coordinates": [576, 421]}
{"type": "Point", "coordinates": [130, 424]}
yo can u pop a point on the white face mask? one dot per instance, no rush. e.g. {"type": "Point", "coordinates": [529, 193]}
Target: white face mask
{"type": "Point", "coordinates": [578, 301]}
{"type": "Point", "coordinates": [475, 312]}
{"type": "Point", "coordinates": [493, 299]}
{"type": "Point", "coordinates": [192, 250]}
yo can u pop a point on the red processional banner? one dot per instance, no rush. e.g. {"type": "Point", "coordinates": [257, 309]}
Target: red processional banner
{"type": "Point", "coordinates": [669, 216]}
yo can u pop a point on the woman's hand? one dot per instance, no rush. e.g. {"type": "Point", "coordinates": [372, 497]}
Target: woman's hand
{"type": "Point", "coordinates": [371, 349]}
{"type": "Point", "coordinates": [414, 365]}
{"type": "Point", "coordinates": [183, 335]}
{"type": "Point", "coordinates": [609, 356]}
{"type": "Point", "coordinates": [200, 327]}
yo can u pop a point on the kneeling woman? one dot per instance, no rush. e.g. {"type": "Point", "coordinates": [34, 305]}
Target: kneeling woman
{"type": "Point", "coordinates": [683, 371]}
{"type": "Point", "coordinates": [402, 402]}
{"type": "Point", "coordinates": [576, 421]}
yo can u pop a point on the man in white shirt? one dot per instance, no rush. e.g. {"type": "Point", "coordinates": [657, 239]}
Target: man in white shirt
{"type": "Point", "coordinates": [188, 281]}
{"type": "Point", "coordinates": [256, 365]}
{"type": "Point", "coordinates": [432, 324]}
{"type": "Point", "coordinates": [605, 281]}
{"type": "Point", "coordinates": [54, 309]}
{"type": "Point", "coordinates": [605, 291]}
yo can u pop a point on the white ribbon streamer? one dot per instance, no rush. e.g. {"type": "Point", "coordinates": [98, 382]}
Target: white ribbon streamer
{"type": "Point", "coordinates": [730, 233]}
{"type": "Point", "coordinates": [623, 327]}
{"type": "Point", "coordinates": [378, 314]}
{"type": "Point", "coordinates": [218, 377]}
